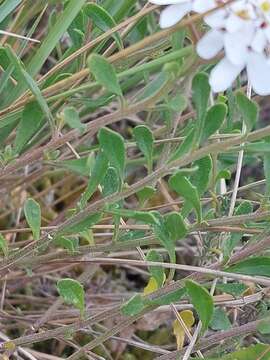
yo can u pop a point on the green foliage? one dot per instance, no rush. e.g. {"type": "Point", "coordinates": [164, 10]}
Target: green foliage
{"type": "Point", "coordinates": [248, 109]}
{"type": "Point", "coordinates": [264, 327]}
{"type": "Point", "coordinates": [83, 224]}
{"type": "Point", "coordinates": [72, 293]}
{"type": "Point", "coordinates": [176, 226]}
{"type": "Point", "coordinates": [104, 73]}
{"type": "Point", "coordinates": [202, 302]}
{"type": "Point", "coordinates": [111, 182]}
{"type": "Point", "coordinates": [31, 120]}
{"type": "Point", "coordinates": [214, 118]}
{"type": "Point", "coordinates": [220, 320]}
{"type": "Point", "coordinates": [97, 175]}
{"type": "Point", "coordinates": [133, 306]}
{"type": "Point", "coordinates": [232, 288]}
{"type": "Point", "coordinates": [157, 272]}
{"type": "Point", "coordinates": [142, 216]}
{"type": "Point", "coordinates": [70, 244]}
{"type": "Point", "coordinates": [114, 148]}
{"type": "Point", "coordinates": [183, 187]}
{"type": "Point", "coordinates": [71, 117]}
{"type": "Point", "coordinates": [145, 140]}
{"type": "Point", "coordinates": [111, 125]}
{"type": "Point", "coordinates": [167, 299]}
{"type": "Point", "coordinates": [253, 266]}
{"type": "Point", "coordinates": [244, 208]}
{"type": "Point", "coordinates": [145, 194]}
{"type": "Point", "coordinates": [254, 352]}
{"type": "Point", "coordinates": [103, 20]}
{"type": "Point", "coordinates": [32, 214]}
{"type": "Point", "coordinates": [162, 233]}
{"type": "Point", "coordinates": [3, 245]}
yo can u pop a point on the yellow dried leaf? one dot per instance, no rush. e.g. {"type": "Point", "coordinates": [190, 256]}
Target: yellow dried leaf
{"type": "Point", "coordinates": [151, 286]}
{"type": "Point", "coordinates": [178, 330]}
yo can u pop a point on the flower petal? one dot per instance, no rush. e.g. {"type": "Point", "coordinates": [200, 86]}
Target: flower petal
{"type": "Point", "coordinates": [258, 69]}
{"type": "Point", "coordinates": [210, 44]}
{"type": "Point", "coordinates": [173, 13]}
{"type": "Point", "coordinates": [259, 41]}
{"type": "Point", "coordinates": [203, 6]}
{"type": "Point", "coordinates": [236, 47]}
{"type": "Point", "coordinates": [167, 2]}
{"type": "Point", "coordinates": [216, 19]}
{"type": "Point", "coordinates": [223, 75]}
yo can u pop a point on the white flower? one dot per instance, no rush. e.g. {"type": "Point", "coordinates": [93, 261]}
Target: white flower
{"type": "Point", "coordinates": [177, 9]}
{"type": "Point", "coordinates": [240, 29]}
{"type": "Point", "coordinates": [243, 31]}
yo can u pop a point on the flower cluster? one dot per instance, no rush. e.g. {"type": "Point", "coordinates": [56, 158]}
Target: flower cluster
{"type": "Point", "coordinates": [241, 29]}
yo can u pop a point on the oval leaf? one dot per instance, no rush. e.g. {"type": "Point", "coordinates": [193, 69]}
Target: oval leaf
{"type": "Point", "coordinates": [253, 266]}
{"type": "Point", "coordinates": [114, 148]}
{"type": "Point", "coordinates": [202, 302]}
{"type": "Point", "coordinates": [103, 20]}
{"type": "Point", "coordinates": [145, 140]}
{"type": "Point", "coordinates": [104, 73]}
{"type": "Point", "coordinates": [72, 292]}
{"type": "Point", "coordinates": [183, 187]}
{"type": "Point", "coordinates": [33, 216]}
{"type": "Point", "coordinates": [133, 306]}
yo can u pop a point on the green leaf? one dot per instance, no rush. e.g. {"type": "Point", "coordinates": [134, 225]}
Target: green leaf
{"type": "Point", "coordinates": [200, 98]}
{"type": "Point", "coordinates": [202, 176]}
{"type": "Point", "coordinates": [83, 224]}
{"type": "Point", "coordinates": [153, 87]}
{"type": "Point", "coordinates": [254, 266]}
{"type": "Point", "coordinates": [178, 103]}
{"type": "Point", "coordinates": [143, 216]}
{"type": "Point", "coordinates": [104, 73]}
{"type": "Point", "coordinates": [33, 216]}
{"type": "Point", "coordinates": [229, 244]}
{"type": "Point", "coordinates": [71, 244]}
{"type": "Point", "coordinates": [3, 245]}
{"type": "Point", "coordinates": [157, 272]}
{"type": "Point", "coordinates": [200, 180]}
{"type": "Point", "coordinates": [164, 236]}
{"type": "Point", "coordinates": [175, 226]}
{"type": "Point", "coordinates": [254, 352]}
{"type": "Point", "coordinates": [233, 289]}
{"type": "Point", "coordinates": [71, 117]}
{"type": "Point", "coordinates": [114, 148]}
{"type": "Point", "coordinates": [183, 187]}
{"type": "Point", "coordinates": [248, 109]}
{"type": "Point", "coordinates": [80, 166]}
{"type": "Point", "coordinates": [111, 182]}
{"type": "Point", "coordinates": [31, 120]}
{"type": "Point", "coordinates": [72, 292]}
{"type": "Point", "coordinates": [220, 320]}
{"type": "Point", "coordinates": [184, 147]}
{"type": "Point", "coordinates": [145, 140]}
{"type": "Point", "coordinates": [256, 147]}
{"type": "Point", "coordinates": [264, 327]}
{"type": "Point", "coordinates": [133, 306]}
{"type": "Point", "coordinates": [31, 84]}
{"type": "Point", "coordinates": [103, 20]}
{"type": "Point", "coordinates": [266, 166]}
{"type": "Point", "coordinates": [96, 177]}
{"type": "Point", "coordinates": [7, 7]}
{"type": "Point", "coordinates": [202, 302]}
{"type": "Point", "coordinates": [167, 299]}
{"type": "Point", "coordinates": [146, 193]}
{"type": "Point", "coordinates": [213, 120]}
{"type": "Point", "coordinates": [49, 43]}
